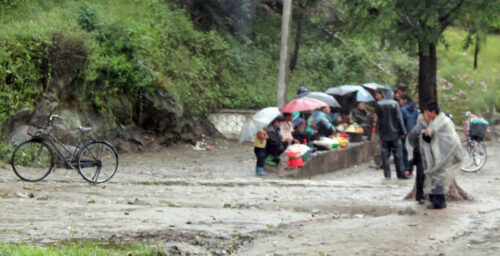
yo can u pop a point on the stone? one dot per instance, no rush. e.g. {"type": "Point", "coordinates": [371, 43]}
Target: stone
{"type": "Point", "coordinates": [158, 112]}
{"type": "Point", "coordinates": [17, 120]}
{"type": "Point", "coordinates": [40, 116]}
{"type": "Point", "coordinates": [19, 135]}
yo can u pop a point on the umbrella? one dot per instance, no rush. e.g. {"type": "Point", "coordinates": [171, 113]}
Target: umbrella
{"type": "Point", "coordinates": [361, 93]}
{"type": "Point", "coordinates": [302, 104]}
{"type": "Point", "coordinates": [257, 122]}
{"type": "Point", "coordinates": [328, 99]}
{"type": "Point", "coordinates": [373, 87]}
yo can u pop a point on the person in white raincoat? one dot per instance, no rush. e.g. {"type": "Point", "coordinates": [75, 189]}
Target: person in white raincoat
{"type": "Point", "coordinates": [443, 155]}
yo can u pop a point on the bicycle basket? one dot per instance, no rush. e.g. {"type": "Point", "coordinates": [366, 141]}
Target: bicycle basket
{"type": "Point", "coordinates": [478, 131]}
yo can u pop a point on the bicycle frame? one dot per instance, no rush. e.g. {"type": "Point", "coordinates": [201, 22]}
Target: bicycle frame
{"type": "Point", "coordinates": [54, 143]}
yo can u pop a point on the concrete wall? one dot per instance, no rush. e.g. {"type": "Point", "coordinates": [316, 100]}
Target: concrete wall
{"type": "Point", "coordinates": [229, 122]}
{"type": "Point", "coordinates": [330, 161]}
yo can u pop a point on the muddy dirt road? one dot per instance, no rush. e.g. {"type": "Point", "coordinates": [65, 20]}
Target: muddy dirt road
{"type": "Point", "coordinates": [201, 202]}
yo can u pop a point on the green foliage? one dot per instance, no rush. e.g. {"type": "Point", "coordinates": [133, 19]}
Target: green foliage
{"type": "Point", "coordinates": [460, 86]}
{"type": "Point", "coordinates": [87, 18]}
{"type": "Point", "coordinates": [79, 248]}
{"type": "Point", "coordinates": [140, 48]}
{"type": "Point", "coordinates": [22, 64]}
{"type": "Point", "coordinates": [5, 152]}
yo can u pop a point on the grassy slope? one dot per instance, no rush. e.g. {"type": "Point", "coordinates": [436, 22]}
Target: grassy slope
{"type": "Point", "coordinates": [461, 88]}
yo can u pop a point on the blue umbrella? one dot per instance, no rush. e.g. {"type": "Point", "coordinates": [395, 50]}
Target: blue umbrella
{"type": "Point", "coordinates": [361, 93]}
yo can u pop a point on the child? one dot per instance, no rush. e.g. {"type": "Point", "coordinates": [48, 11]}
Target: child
{"type": "Point", "coordinates": [260, 151]}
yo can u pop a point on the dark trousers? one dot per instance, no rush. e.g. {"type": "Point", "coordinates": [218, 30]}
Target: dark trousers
{"type": "Point", "coordinates": [260, 153]}
{"type": "Point", "coordinates": [439, 201]}
{"type": "Point", "coordinates": [397, 150]}
{"type": "Point", "coordinates": [407, 164]}
{"type": "Point", "coordinates": [417, 160]}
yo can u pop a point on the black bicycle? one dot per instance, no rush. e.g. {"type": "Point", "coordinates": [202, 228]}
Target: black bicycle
{"type": "Point", "coordinates": [33, 160]}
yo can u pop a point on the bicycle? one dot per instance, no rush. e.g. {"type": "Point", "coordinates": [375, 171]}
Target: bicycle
{"type": "Point", "coordinates": [474, 152]}
{"type": "Point", "coordinates": [33, 160]}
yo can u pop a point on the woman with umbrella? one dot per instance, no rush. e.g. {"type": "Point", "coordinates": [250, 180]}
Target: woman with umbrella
{"type": "Point", "coordinates": [256, 125]}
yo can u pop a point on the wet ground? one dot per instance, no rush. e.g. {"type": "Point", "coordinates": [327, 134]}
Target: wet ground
{"type": "Point", "coordinates": [199, 202]}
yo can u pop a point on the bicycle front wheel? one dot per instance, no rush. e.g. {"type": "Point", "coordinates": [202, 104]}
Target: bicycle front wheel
{"type": "Point", "coordinates": [32, 160]}
{"type": "Point", "coordinates": [474, 156]}
{"type": "Point", "coordinates": [98, 161]}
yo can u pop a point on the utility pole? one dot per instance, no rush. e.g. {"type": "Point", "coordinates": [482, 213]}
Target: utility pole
{"type": "Point", "coordinates": [284, 54]}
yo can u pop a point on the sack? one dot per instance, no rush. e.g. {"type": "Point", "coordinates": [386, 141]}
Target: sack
{"type": "Point", "coordinates": [478, 131]}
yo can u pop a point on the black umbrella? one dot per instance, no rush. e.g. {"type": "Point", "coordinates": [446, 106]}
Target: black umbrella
{"type": "Point", "coordinates": [373, 87]}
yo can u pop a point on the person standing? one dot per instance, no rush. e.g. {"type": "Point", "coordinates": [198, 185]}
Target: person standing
{"type": "Point", "coordinates": [260, 151]}
{"type": "Point", "coordinates": [414, 142]}
{"type": "Point", "coordinates": [443, 154]}
{"type": "Point", "coordinates": [410, 113]}
{"type": "Point", "coordinates": [402, 88]}
{"type": "Point", "coordinates": [391, 129]}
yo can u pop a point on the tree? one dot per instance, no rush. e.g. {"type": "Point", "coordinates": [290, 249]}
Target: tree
{"type": "Point", "coordinates": [300, 14]}
{"type": "Point", "coordinates": [418, 27]}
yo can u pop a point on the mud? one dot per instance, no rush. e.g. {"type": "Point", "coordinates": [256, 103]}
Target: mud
{"type": "Point", "coordinates": [198, 202]}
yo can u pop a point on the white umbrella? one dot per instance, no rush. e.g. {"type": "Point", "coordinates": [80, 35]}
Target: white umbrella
{"type": "Point", "coordinates": [257, 122]}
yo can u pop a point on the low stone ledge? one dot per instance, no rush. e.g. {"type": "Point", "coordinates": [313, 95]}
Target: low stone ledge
{"type": "Point", "coordinates": [330, 161]}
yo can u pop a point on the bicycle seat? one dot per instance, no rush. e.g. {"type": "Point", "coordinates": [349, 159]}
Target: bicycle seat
{"type": "Point", "coordinates": [84, 129]}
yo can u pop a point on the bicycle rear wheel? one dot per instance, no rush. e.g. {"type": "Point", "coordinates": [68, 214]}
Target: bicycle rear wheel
{"type": "Point", "coordinates": [474, 156]}
{"type": "Point", "coordinates": [97, 161]}
{"type": "Point", "coordinates": [32, 160]}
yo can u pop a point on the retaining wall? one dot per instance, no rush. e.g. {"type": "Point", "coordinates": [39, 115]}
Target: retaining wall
{"type": "Point", "coordinates": [229, 121]}
{"type": "Point", "coordinates": [330, 161]}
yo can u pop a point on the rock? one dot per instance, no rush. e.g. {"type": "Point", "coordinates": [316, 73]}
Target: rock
{"type": "Point", "coordinates": [123, 111]}
{"type": "Point", "coordinates": [205, 127]}
{"type": "Point", "coordinates": [11, 125]}
{"type": "Point", "coordinates": [40, 116]}
{"type": "Point", "coordinates": [21, 195]}
{"type": "Point", "coordinates": [158, 112]}
{"type": "Point", "coordinates": [19, 135]}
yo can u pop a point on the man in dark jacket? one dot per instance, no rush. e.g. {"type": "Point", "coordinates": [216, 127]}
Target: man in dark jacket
{"type": "Point", "coordinates": [410, 113]}
{"type": "Point", "coordinates": [391, 129]}
{"type": "Point", "coordinates": [414, 142]}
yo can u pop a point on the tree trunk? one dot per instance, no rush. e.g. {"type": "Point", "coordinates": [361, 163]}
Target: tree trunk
{"type": "Point", "coordinates": [427, 91]}
{"type": "Point", "coordinates": [295, 56]}
{"type": "Point", "coordinates": [476, 52]}
{"type": "Point", "coordinates": [427, 86]}
{"type": "Point", "coordinates": [455, 193]}
{"type": "Point", "coordinates": [284, 53]}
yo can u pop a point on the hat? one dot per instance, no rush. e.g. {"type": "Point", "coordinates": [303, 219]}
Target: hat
{"type": "Point", "coordinates": [298, 122]}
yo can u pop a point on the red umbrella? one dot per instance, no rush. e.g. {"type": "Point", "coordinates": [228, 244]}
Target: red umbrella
{"type": "Point", "coordinates": [302, 104]}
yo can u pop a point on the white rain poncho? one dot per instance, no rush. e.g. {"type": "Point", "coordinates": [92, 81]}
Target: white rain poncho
{"type": "Point", "coordinates": [443, 155]}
